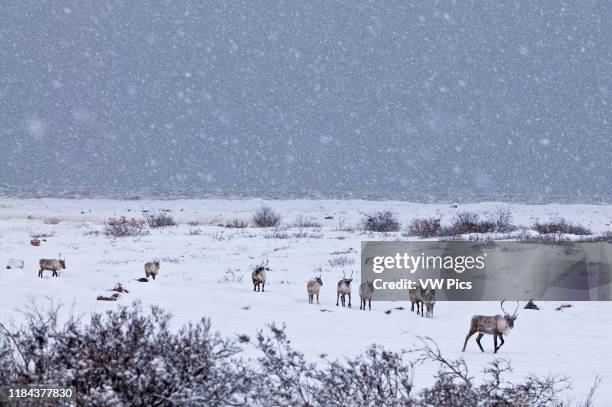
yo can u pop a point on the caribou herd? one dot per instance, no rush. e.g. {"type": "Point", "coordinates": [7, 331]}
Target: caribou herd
{"type": "Point", "coordinates": [423, 299]}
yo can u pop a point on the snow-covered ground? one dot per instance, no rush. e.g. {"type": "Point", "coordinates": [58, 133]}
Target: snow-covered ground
{"type": "Point", "coordinates": [194, 281]}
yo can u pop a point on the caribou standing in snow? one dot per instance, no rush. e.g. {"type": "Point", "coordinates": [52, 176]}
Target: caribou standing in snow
{"type": "Point", "coordinates": [151, 269]}
{"type": "Point", "coordinates": [52, 265]}
{"type": "Point", "coordinates": [425, 299]}
{"type": "Point", "coordinates": [366, 289]}
{"type": "Point", "coordinates": [259, 276]}
{"type": "Point", "coordinates": [344, 289]}
{"type": "Point", "coordinates": [496, 325]}
{"type": "Point", "coordinates": [313, 287]}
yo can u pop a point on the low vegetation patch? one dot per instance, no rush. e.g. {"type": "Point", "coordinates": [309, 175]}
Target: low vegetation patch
{"type": "Point", "coordinates": [52, 221]}
{"type": "Point", "coordinates": [42, 235]}
{"type": "Point", "coordinates": [469, 222]}
{"type": "Point", "coordinates": [560, 225]}
{"type": "Point", "coordinates": [277, 233]}
{"type": "Point", "coordinates": [124, 227]}
{"type": "Point", "coordinates": [236, 224]}
{"type": "Point", "coordinates": [159, 219]}
{"type": "Point", "coordinates": [340, 261]}
{"type": "Point", "coordinates": [424, 228]}
{"type": "Point", "coordinates": [382, 221]}
{"type": "Point", "coordinates": [302, 221]}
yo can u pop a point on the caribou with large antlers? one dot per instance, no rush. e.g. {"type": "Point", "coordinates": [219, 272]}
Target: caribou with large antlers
{"type": "Point", "coordinates": [496, 325]}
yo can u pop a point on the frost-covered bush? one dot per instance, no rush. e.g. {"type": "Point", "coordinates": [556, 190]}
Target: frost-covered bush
{"type": "Point", "coordinates": [159, 220]}
{"type": "Point", "coordinates": [382, 221]}
{"type": "Point", "coordinates": [130, 357]}
{"type": "Point", "coordinates": [562, 226]}
{"type": "Point", "coordinates": [125, 357]}
{"type": "Point", "coordinates": [266, 217]}
{"type": "Point", "coordinates": [124, 227]}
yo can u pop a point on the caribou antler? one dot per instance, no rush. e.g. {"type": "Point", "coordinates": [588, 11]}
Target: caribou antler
{"type": "Point", "coordinates": [507, 313]}
{"type": "Point", "coordinates": [502, 307]}
{"type": "Point", "coordinates": [516, 309]}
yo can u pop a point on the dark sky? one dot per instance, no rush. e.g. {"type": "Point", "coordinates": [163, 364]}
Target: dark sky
{"type": "Point", "coordinates": [428, 101]}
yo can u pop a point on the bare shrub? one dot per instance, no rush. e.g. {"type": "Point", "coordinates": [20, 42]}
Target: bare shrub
{"type": "Point", "coordinates": [382, 221]}
{"type": "Point", "coordinates": [560, 225]}
{"type": "Point", "coordinates": [503, 221]}
{"type": "Point", "coordinates": [342, 226]}
{"type": "Point", "coordinates": [159, 220]}
{"type": "Point", "coordinates": [307, 234]}
{"type": "Point", "coordinates": [469, 222]}
{"type": "Point", "coordinates": [340, 261]}
{"type": "Point", "coordinates": [551, 238]}
{"type": "Point", "coordinates": [194, 231]}
{"type": "Point", "coordinates": [302, 221]}
{"type": "Point", "coordinates": [424, 228]}
{"type": "Point", "coordinates": [266, 217]}
{"type": "Point", "coordinates": [236, 224]}
{"type": "Point", "coordinates": [277, 233]}
{"type": "Point", "coordinates": [42, 235]}
{"type": "Point", "coordinates": [124, 227]}
{"type": "Point", "coordinates": [220, 236]}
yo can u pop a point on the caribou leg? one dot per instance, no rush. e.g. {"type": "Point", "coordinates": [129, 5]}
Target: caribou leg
{"type": "Point", "coordinates": [467, 338]}
{"type": "Point", "coordinates": [501, 338]}
{"type": "Point", "coordinates": [369, 304]}
{"type": "Point", "coordinates": [478, 338]}
{"type": "Point", "coordinates": [349, 304]}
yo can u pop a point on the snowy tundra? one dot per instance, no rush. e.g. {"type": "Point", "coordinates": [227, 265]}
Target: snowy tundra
{"type": "Point", "coordinates": [206, 271]}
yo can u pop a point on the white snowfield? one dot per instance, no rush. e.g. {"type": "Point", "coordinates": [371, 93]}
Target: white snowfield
{"type": "Point", "coordinates": [206, 272]}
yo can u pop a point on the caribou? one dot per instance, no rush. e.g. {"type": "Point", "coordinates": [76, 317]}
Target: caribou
{"type": "Point", "coordinates": [259, 276]}
{"type": "Point", "coordinates": [366, 289]}
{"type": "Point", "coordinates": [314, 287]}
{"type": "Point", "coordinates": [344, 289]}
{"type": "Point", "coordinates": [151, 269]}
{"type": "Point", "coordinates": [52, 265]}
{"type": "Point", "coordinates": [496, 325]}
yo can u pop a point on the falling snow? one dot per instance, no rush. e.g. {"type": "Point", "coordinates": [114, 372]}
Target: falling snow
{"type": "Point", "coordinates": [193, 99]}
